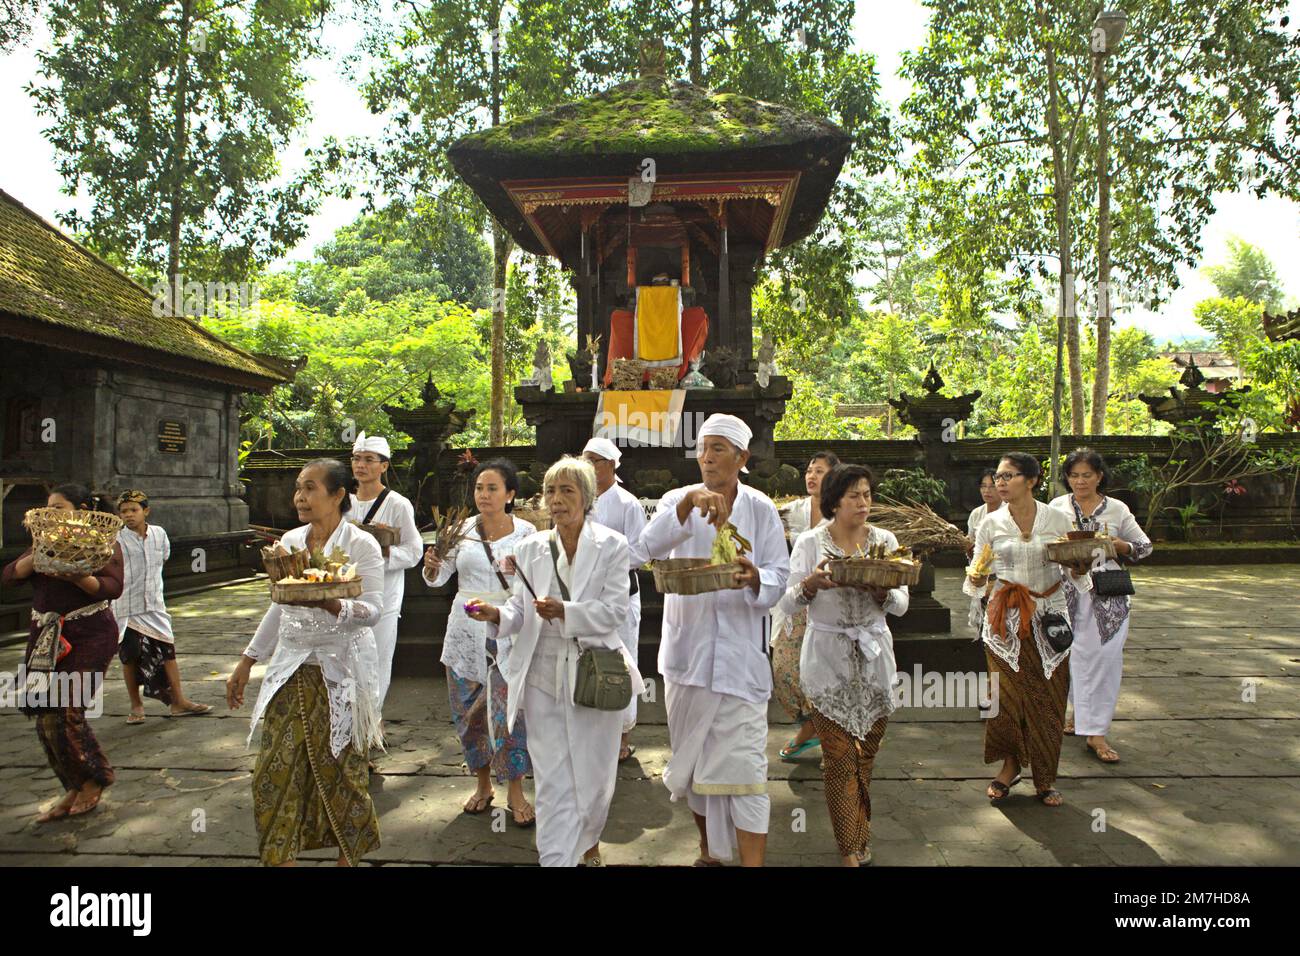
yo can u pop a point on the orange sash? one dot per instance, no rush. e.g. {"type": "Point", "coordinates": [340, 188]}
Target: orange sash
{"type": "Point", "coordinates": [1017, 596]}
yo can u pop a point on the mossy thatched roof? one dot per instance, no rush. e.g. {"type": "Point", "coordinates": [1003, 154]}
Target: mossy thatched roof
{"type": "Point", "coordinates": [55, 292]}
{"type": "Point", "coordinates": [684, 128]}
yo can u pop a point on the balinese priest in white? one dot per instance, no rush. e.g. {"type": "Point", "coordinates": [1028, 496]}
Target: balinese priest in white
{"type": "Point", "coordinates": [373, 503]}
{"type": "Point", "coordinates": [713, 654]}
{"type": "Point", "coordinates": [578, 599]}
{"type": "Point", "coordinates": [618, 509]}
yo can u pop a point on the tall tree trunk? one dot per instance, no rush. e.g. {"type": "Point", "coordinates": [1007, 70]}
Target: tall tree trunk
{"type": "Point", "coordinates": [180, 145]}
{"type": "Point", "coordinates": [697, 43]}
{"type": "Point", "coordinates": [1067, 320]}
{"type": "Point", "coordinates": [500, 256]}
{"type": "Point", "coordinates": [1101, 381]}
{"type": "Point", "coordinates": [501, 245]}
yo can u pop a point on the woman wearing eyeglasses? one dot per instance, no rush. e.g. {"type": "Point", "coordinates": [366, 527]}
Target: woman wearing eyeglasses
{"type": "Point", "coordinates": [1028, 611]}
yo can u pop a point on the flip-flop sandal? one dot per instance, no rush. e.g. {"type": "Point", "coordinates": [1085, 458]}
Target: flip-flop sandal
{"type": "Point", "coordinates": [527, 823]}
{"type": "Point", "coordinates": [1043, 795]}
{"type": "Point", "coordinates": [135, 718]}
{"type": "Point", "coordinates": [703, 862]}
{"type": "Point", "coordinates": [1098, 753]}
{"type": "Point", "coordinates": [792, 750]}
{"type": "Point", "coordinates": [482, 809]}
{"type": "Point", "coordinates": [864, 858]}
{"type": "Point", "coordinates": [1001, 790]}
{"type": "Point", "coordinates": [192, 712]}
{"type": "Point", "coordinates": [625, 757]}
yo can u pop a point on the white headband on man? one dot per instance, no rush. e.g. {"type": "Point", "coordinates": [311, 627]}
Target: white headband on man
{"type": "Point", "coordinates": [375, 443]}
{"type": "Point", "coordinates": [729, 427]}
{"type": "Point", "coordinates": [604, 448]}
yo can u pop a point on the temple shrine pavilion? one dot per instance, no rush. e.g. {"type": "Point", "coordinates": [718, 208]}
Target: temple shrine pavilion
{"type": "Point", "coordinates": [661, 200]}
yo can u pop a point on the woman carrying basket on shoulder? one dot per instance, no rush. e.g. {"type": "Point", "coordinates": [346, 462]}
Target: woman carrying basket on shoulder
{"type": "Point", "coordinates": [73, 633]}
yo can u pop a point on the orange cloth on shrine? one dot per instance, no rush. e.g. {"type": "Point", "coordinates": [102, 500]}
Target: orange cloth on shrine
{"type": "Point", "coordinates": [695, 333]}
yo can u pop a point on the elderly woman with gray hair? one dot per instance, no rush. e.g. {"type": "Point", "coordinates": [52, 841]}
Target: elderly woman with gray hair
{"type": "Point", "coordinates": [570, 599]}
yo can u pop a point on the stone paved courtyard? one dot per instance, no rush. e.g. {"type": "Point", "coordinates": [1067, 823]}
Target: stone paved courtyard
{"type": "Point", "coordinates": [1209, 776]}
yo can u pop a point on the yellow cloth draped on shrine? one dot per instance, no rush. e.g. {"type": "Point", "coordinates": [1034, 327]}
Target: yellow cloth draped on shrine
{"type": "Point", "coordinates": [659, 324]}
{"type": "Point", "coordinates": [649, 417]}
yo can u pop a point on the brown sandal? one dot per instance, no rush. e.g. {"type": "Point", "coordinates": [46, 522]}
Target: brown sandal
{"type": "Point", "coordinates": [475, 800]}
{"type": "Point", "coordinates": [524, 825]}
{"type": "Point", "coordinates": [1046, 795]}
{"type": "Point", "coordinates": [1000, 789]}
{"type": "Point", "coordinates": [1106, 755]}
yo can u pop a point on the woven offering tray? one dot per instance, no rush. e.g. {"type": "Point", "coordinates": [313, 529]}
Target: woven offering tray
{"type": "Point", "coordinates": [627, 375]}
{"type": "Point", "coordinates": [664, 378]}
{"type": "Point", "coordinates": [280, 593]}
{"type": "Point", "coordinates": [876, 572]}
{"type": "Point", "coordinates": [694, 575]}
{"type": "Point", "coordinates": [387, 537]}
{"type": "Point", "coordinates": [1071, 550]}
{"type": "Point", "coordinates": [71, 542]}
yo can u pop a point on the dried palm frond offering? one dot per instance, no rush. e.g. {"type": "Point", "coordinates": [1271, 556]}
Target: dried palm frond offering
{"type": "Point", "coordinates": [918, 527]}
{"type": "Point", "coordinates": [450, 530]}
{"type": "Point", "coordinates": [71, 542]}
{"type": "Point", "coordinates": [982, 564]}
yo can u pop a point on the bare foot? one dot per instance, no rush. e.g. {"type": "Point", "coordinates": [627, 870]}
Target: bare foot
{"type": "Point", "coordinates": [60, 809]}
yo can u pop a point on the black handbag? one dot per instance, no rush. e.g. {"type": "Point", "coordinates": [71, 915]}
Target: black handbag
{"type": "Point", "coordinates": [1112, 583]}
{"type": "Point", "coordinates": [1057, 630]}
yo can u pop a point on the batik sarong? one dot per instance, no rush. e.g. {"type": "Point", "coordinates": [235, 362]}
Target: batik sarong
{"type": "Point", "coordinates": [303, 797]}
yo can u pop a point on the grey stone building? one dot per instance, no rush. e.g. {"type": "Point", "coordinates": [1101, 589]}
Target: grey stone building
{"type": "Point", "coordinates": [95, 387]}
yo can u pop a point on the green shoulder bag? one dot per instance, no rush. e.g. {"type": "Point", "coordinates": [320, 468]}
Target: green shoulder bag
{"type": "Point", "coordinates": [603, 681]}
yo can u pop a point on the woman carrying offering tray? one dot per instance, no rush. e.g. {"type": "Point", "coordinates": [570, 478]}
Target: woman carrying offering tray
{"type": "Point", "coordinates": [320, 693]}
{"type": "Point", "coordinates": [846, 666]}
{"type": "Point", "coordinates": [74, 634]}
{"type": "Point", "coordinates": [1100, 620]}
{"type": "Point", "coordinates": [570, 602]}
{"type": "Point", "coordinates": [1028, 633]}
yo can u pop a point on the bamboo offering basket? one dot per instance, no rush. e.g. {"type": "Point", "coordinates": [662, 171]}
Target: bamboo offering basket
{"type": "Point", "coordinates": [532, 512]}
{"type": "Point", "coordinates": [278, 565]}
{"type": "Point", "coordinates": [1080, 546]}
{"type": "Point", "coordinates": [876, 572]}
{"type": "Point", "coordinates": [387, 537]}
{"type": "Point", "coordinates": [71, 542]}
{"type": "Point", "coordinates": [280, 593]}
{"type": "Point", "coordinates": [694, 575]}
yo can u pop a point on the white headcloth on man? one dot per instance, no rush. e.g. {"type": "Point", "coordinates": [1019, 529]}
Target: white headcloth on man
{"type": "Point", "coordinates": [729, 427]}
{"type": "Point", "coordinates": [605, 448]}
{"type": "Point", "coordinates": [375, 443]}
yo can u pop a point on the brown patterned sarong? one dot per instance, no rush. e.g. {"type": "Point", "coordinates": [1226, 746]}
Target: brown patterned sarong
{"type": "Point", "coordinates": [304, 798]}
{"type": "Point", "coordinates": [847, 763]}
{"type": "Point", "coordinates": [1030, 720]}
{"type": "Point", "coordinates": [71, 748]}
{"type": "Point", "coordinates": [785, 668]}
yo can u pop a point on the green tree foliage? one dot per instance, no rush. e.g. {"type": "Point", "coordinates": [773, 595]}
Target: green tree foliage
{"type": "Point", "coordinates": [171, 114]}
{"type": "Point", "coordinates": [1202, 95]}
{"type": "Point", "coordinates": [1248, 274]}
{"type": "Point", "coordinates": [1235, 324]}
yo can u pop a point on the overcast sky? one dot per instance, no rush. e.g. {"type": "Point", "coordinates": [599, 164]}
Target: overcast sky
{"type": "Point", "coordinates": [27, 166]}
